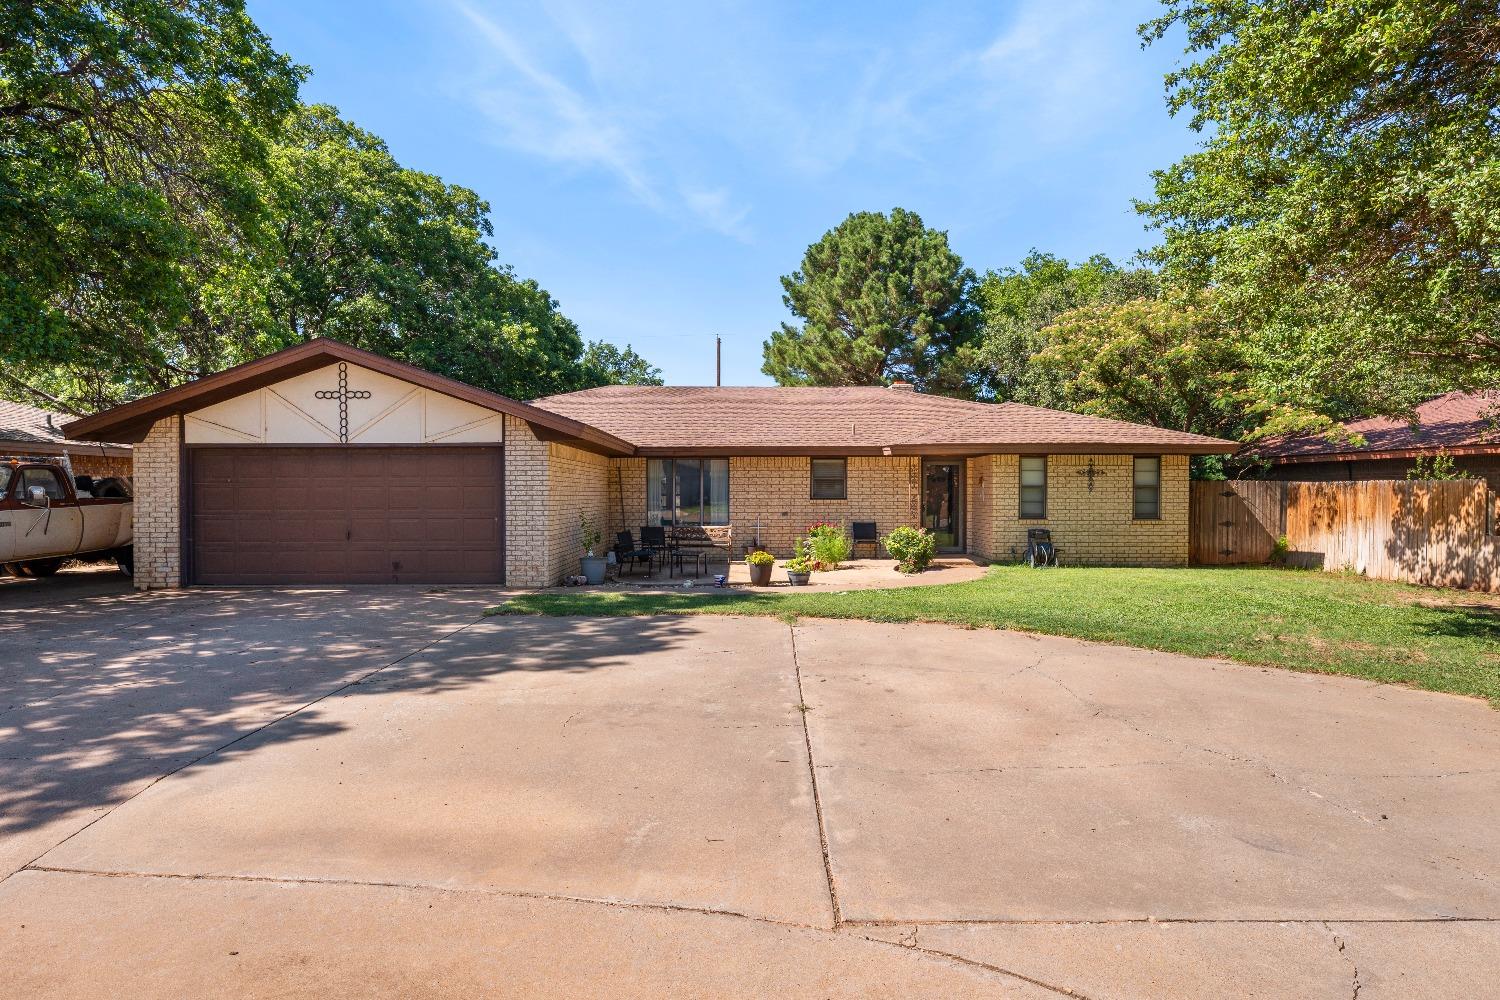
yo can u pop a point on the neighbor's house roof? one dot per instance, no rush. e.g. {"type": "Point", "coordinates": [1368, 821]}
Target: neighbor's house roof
{"type": "Point", "coordinates": [131, 421]}
{"type": "Point", "coordinates": [1461, 423]}
{"type": "Point", "coordinates": [26, 430]}
{"type": "Point", "coordinates": [708, 420]}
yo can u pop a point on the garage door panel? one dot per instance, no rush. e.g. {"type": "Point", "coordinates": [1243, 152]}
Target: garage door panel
{"type": "Point", "coordinates": [268, 515]}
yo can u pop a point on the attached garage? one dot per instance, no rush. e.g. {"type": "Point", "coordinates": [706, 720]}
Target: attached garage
{"type": "Point", "coordinates": [286, 515]}
{"type": "Point", "coordinates": [326, 465]}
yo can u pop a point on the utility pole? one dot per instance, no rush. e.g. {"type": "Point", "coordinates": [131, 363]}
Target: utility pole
{"type": "Point", "coordinates": [718, 360]}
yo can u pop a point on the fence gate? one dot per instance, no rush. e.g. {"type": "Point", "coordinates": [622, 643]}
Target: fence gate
{"type": "Point", "coordinates": [1235, 522]}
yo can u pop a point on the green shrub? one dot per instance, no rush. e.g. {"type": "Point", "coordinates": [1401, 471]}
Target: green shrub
{"type": "Point", "coordinates": [760, 557]}
{"type": "Point", "coordinates": [829, 545]}
{"type": "Point", "coordinates": [1279, 551]}
{"type": "Point", "coordinates": [912, 547]}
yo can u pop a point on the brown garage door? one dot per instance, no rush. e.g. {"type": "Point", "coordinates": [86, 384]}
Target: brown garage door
{"type": "Point", "coordinates": [262, 515]}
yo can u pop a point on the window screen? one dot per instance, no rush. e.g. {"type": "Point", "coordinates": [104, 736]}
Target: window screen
{"type": "Point", "coordinates": [1147, 488]}
{"type": "Point", "coordinates": [1034, 486]}
{"type": "Point", "coordinates": [830, 479]}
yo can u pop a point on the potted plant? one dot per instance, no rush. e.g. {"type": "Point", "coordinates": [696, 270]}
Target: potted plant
{"type": "Point", "coordinates": [760, 562]}
{"type": "Point", "coordinates": [592, 565]}
{"type": "Point", "coordinates": [800, 567]}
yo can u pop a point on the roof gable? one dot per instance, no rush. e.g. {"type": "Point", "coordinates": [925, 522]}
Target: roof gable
{"type": "Point", "coordinates": [131, 421]}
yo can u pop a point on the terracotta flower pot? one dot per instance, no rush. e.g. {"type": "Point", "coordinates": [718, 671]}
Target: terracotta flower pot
{"type": "Point", "coordinates": [760, 574]}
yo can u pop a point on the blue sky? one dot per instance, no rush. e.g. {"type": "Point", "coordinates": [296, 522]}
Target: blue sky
{"type": "Point", "coordinates": [658, 168]}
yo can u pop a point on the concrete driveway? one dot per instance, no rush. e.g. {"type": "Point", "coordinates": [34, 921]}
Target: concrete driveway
{"type": "Point", "coordinates": [381, 792]}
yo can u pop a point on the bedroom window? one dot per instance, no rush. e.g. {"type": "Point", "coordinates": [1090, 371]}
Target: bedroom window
{"type": "Point", "coordinates": [1033, 487]}
{"type": "Point", "coordinates": [830, 479]}
{"type": "Point", "coordinates": [1147, 488]}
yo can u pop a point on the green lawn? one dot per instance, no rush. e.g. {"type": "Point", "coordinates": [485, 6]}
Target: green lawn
{"type": "Point", "coordinates": [1327, 623]}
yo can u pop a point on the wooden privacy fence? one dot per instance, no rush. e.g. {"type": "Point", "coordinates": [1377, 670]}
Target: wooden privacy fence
{"type": "Point", "coordinates": [1435, 533]}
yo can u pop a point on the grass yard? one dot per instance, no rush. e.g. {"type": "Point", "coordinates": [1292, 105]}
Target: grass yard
{"type": "Point", "coordinates": [1301, 620]}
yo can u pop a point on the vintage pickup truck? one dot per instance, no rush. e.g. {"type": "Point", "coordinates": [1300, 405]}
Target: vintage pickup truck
{"type": "Point", "coordinates": [45, 518]}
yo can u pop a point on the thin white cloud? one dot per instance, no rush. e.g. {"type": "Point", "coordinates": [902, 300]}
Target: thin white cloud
{"type": "Point", "coordinates": [656, 101]}
{"type": "Point", "coordinates": [542, 115]}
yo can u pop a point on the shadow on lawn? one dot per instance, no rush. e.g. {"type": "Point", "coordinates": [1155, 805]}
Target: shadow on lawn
{"type": "Point", "coordinates": [101, 695]}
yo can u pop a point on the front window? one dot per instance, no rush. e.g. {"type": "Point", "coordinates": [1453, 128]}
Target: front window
{"type": "Point", "coordinates": [4, 479]}
{"type": "Point", "coordinates": [1147, 488]}
{"type": "Point", "coordinates": [1033, 487]}
{"type": "Point", "coordinates": [687, 490]}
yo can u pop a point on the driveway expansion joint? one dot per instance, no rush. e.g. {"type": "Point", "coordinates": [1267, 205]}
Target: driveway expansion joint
{"type": "Point", "coordinates": [812, 773]}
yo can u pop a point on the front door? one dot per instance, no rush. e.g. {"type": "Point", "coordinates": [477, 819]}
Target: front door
{"type": "Point", "coordinates": [942, 503]}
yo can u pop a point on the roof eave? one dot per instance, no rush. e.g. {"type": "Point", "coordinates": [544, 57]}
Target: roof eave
{"type": "Point", "coordinates": [953, 450]}
{"type": "Point", "coordinates": [1456, 450]}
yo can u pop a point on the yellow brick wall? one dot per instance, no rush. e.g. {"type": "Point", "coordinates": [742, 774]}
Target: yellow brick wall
{"type": "Point", "coordinates": [157, 492]}
{"type": "Point", "coordinates": [1089, 528]}
{"type": "Point", "coordinates": [526, 507]}
{"type": "Point", "coordinates": [774, 490]}
{"type": "Point", "coordinates": [979, 521]}
{"type": "Point", "coordinates": [578, 484]}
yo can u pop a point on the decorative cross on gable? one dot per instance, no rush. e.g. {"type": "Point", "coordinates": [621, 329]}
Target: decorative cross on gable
{"type": "Point", "coordinates": [1091, 474]}
{"type": "Point", "coordinates": [343, 395]}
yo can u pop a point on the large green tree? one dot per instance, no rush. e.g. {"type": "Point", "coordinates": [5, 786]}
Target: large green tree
{"type": "Point", "coordinates": [606, 364]}
{"type": "Point", "coordinates": [393, 260]}
{"type": "Point", "coordinates": [1167, 363]}
{"type": "Point", "coordinates": [1346, 202]}
{"type": "Point", "coordinates": [133, 142]}
{"type": "Point", "coordinates": [881, 298]}
{"type": "Point", "coordinates": [1018, 303]}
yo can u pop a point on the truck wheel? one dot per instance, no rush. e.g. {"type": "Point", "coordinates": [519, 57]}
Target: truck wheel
{"type": "Point", "coordinates": [125, 559]}
{"type": "Point", "coordinates": [39, 567]}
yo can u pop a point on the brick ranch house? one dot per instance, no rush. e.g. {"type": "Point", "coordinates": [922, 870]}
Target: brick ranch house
{"type": "Point", "coordinates": [323, 463]}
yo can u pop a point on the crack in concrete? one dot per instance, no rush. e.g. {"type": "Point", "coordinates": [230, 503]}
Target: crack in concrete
{"type": "Point", "coordinates": [1254, 763]}
{"type": "Point", "coordinates": [812, 773]}
{"type": "Point", "coordinates": [618, 904]}
{"type": "Point", "coordinates": [911, 945]}
{"type": "Point", "coordinates": [1344, 954]}
{"type": "Point", "coordinates": [1250, 762]}
{"type": "Point", "coordinates": [244, 736]}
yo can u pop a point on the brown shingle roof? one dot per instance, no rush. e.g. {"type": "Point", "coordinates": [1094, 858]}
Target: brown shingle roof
{"type": "Point", "coordinates": [1461, 422]}
{"type": "Point", "coordinates": [33, 431]}
{"type": "Point", "coordinates": [804, 420]}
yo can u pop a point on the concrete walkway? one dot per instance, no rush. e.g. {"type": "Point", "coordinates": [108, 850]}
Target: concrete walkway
{"type": "Point", "coordinates": [380, 792]}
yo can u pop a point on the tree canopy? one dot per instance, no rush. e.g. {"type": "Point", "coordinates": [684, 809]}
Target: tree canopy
{"type": "Point", "coordinates": [132, 145]}
{"type": "Point", "coordinates": [1018, 303]}
{"type": "Point", "coordinates": [881, 298]}
{"type": "Point", "coordinates": [1345, 204]}
{"type": "Point", "coordinates": [167, 209]}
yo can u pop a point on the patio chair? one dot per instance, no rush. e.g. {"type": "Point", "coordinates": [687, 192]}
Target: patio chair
{"type": "Point", "coordinates": [626, 552]}
{"type": "Point", "coordinates": [864, 533]}
{"type": "Point", "coordinates": [654, 538]}
{"type": "Point", "coordinates": [1039, 548]}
